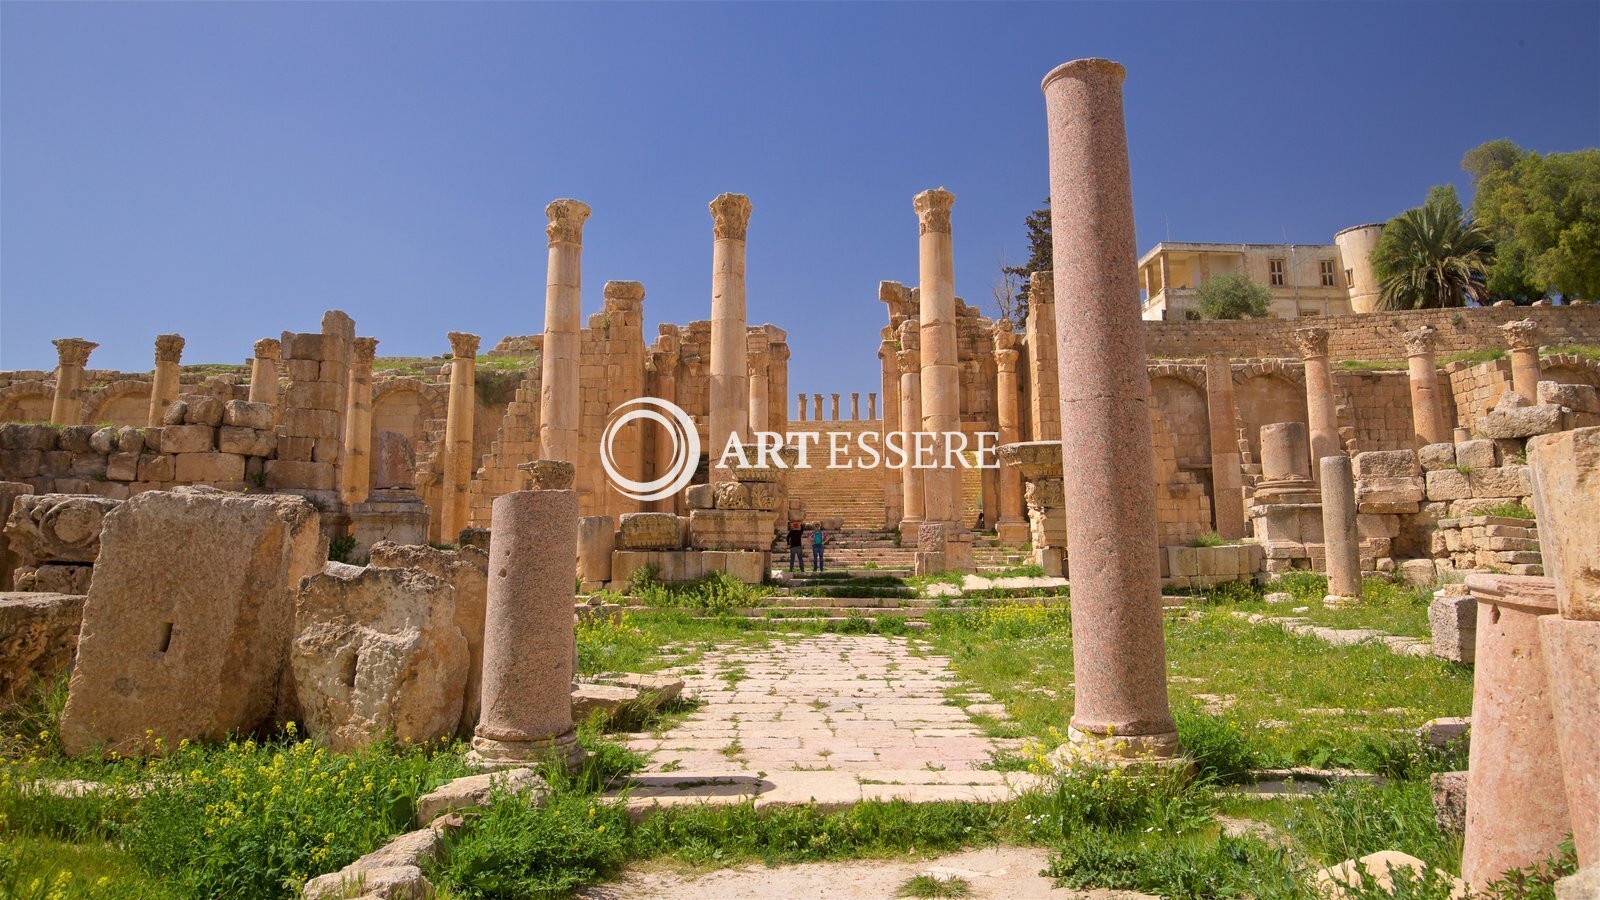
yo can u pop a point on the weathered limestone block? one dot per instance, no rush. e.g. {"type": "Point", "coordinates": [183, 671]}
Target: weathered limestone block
{"type": "Point", "coordinates": [122, 467]}
{"type": "Point", "coordinates": [467, 571]}
{"type": "Point", "coordinates": [310, 476]}
{"type": "Point", "coordinates": [188, 439]}
{"type": "Point", "coordinates": [1519, 422]}
{"type": "Point", "coordinates": [729, 529]}
{"type": "Point", "coordinates": [597, 538]}
{"type": "Point", "coordinates": [1387, 464]}
{"type": "Point", "coordinates": [549, 474]}
{"type": "Point", "coordinates": [1448, 484]}
{"type": "Point", "coordinates": [245, 414]}
{"type": "Point", "coordinates": [732, 495]}
{"type": "Point", "coordinates": [9, 492]}
{"type": "Point", "coordinates": [700, 496]}
{"type": "Point", "coordinates": [756, 473]}
{"type": "Point", "coordinates": [1505, 481]}
{"type": "Point", "coordinates": [649, 531]}
{"type": "Point", "coordinates": [201, 409]}
{"type": "Point", "coordinates": [130, 439]}
{"type": "Point", "coordinates": [395, 462]}
{"type": "Point", "coordinates": [57, 528]}
{"type": "Point", "coordinates": [38, 635]}
{"type": "Point", "coordinates": [377, 650]}
{"type": "Point", "coordinates": [53, 578]}
{"type": "Point", "coordinates": [1389, 494]}
{"type": "Point", "coordinates": [473, 791]}
{"type": "Point", "coordinates": [104, 440]}
{"type": "Point", "coordinates": [1437, 456]}
{"type": "Point", "coordinates": [15, 436]}
{"type": "Point", "coordinates": [246, 441]}
{"type": "Point", "coordinates": [1566, 496]}
{"type": "Point", "coordinates": [1449, 801]}
{"type": "Point", "coordinates": [187, 626]}
{"type": "Point", "coordinates": [75, 438]}
{"type": "Point", "coordinates": [156, 468]}
{"type": "Point", "coordinates": [749, 566]}
{"type": "Point", "coordinates": [765, 495]}
{"type": "Point", "coordinates": [208, 468]}
{"type": "Point", "coordinates": [1579, 397]}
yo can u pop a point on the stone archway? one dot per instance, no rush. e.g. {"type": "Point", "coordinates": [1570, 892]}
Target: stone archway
{"type": "Point", "coordinates": [404, 405]}
{"type": "Point", "coordinates": [26, 401]}
{"type": "Point", "coordinates": [1265, 395]}
{"type": "Point", "coordinates": [125, 402]}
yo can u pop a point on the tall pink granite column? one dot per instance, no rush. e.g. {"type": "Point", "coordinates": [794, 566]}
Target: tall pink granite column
{"type": "Point", "coordinates": [909, 359]}
{"type": "Point", "coordinates": [730, 392]}
{"type": "Point", "coordinates": [1119, 651]}
{"type": "Point", "coordinates": [559, 403]}
{"type": "Point", "coordinates": [1320, 410]}
{"type": "Point", "coordinates": [355, 475]}
{"type": "Point", "coordinates": [1523, 338]}
{"type": "Point", "coordinates": [528, 638]}
{"type": "Point", "coordinates": [1010, 527]}
{"type": "Point", "coordinates": [72, 355]}
{"type": "Point", "coordinates": [164, 380]}
{"type": "Point", "coordinates": [455, 503]}
{"type": "Point", "coordinates": [264, 371]}
{"type": "Point", "coordinates": [1227, 478]}
{"type": "Point", "coordinates": [1427, 416]}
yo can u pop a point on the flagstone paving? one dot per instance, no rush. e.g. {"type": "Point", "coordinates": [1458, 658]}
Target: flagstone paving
{"type": "Point", "coordinates": [834, 719]}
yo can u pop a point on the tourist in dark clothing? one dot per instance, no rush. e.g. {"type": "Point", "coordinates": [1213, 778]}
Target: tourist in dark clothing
{"type": "Point", "coordinates": [818, 537]}
{"type": "Point", "coordinates": [797, 555]}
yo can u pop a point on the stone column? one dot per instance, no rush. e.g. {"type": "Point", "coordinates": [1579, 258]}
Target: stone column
{"type": "Point", "coordinates": [455, 506]}
{"type": "Point", "coordinates": [760, 387]}
{"type": "Point", "coordinates": [1340, 541]}
{"type": "Point", "coordinates": [1322, 418]}
{"type": "Point", "coordinates": [1523, 338]}
{"type": "Point", "coordinates": [894, 507]}
{"type": "Point", "coordinates": [164, 381]}
{"type": "Point", "coordinates": [665, 363]}
{"type": "Point", "coordinates": [802, 398]}
{"type": "Point", "coordinates": [936, 320]}
{"type": "Point", "coordinates": [72, 354]}
{"type": "Point", "coordinates": [1011, 527]}
{"type": "Point", "coordinates": [909, 359]}
{"type": "Point", "coordinates": [872, 406]}
{"type": "Point", "coordinates": [816, 407]}
{"type": "Point", "coordinates": [1119, 652]}
{"type": "Point", "coordinates": [528, 638]}
{"type": "Point", "coordinates": [355, 475]}
{"type": "Point", "coordinates": [1427, 418]}
{"type": "Point", "coordinates": [855, 405]}
{"type": "Point", "coordinates": [264, 372]}
{"type": "Point", "coordinates": [730, 403]}
{"type": "Point", "coordinates": [1227, 478]}
{"type": "Point", "coordinates": [559, 403]}
{"type": "Point", "coordinates": [778, 379]}
{"type": "Point", "coordinates": [1044, 372]}
{"type": "Point", "coordinates": [835, 407]}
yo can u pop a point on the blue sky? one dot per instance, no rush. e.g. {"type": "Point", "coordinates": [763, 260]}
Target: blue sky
{"type": "Point", "coordinates": [231, 170]}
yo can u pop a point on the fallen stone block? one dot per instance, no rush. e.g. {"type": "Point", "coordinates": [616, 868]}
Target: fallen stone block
{"type": "Point", "coordinates": [474, 791]}
{"type": "Point", "coordinates": [649, 531]}
{"type": "Point", "coordinates": [467, 570]}
{"type": "Point", "coordinates": [1449, 801]}
{"type": "Point", "coordinates": [38, 636]}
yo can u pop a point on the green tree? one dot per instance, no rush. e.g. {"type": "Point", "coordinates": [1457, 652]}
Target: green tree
{"type": "Point", "coordinates": [1543, 213]}
{"type": "Point", "coordinates": [1232, 296]}
{"type": "Point", "coordinates": [1432, 256]}
{"type": "Point", "coordinates": [1039, 249]}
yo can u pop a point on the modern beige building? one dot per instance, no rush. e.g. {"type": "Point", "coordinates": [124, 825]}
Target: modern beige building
{"type": "Point", "coordinates": [1305, 279]}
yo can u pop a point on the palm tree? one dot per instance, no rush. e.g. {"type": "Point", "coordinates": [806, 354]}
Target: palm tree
{"type": "Point", "coordinates": [1437, 259]}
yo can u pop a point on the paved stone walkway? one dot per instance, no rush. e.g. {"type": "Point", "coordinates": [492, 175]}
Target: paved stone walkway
{"type": "Point", "coordinates": [831, 718]}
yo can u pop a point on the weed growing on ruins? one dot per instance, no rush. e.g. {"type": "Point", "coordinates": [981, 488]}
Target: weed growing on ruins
{"type": "Point", "coordinates": [934, 886]}
{"type": "Point", "coordinates": [513, 850]}
{"type": "Point", "coordinates": [1352, 819]}
{"type": "Point", "coordinates": [1371, 365]}
{"type": "Point", "coordinates": [1209, 539]}
{"type": "Point", "coordinates": [1191, 868]}
{"type": "Point", "coordinates": [1587, 351]}
{"type": "Point", "coordinates": [1511, 510]}
{"type": "Point", "coordinates": [34, 868]}
{"type": "Point", "coordinates": [1030, 570]}
{"type": "Point", "coordinates": [341, 547]}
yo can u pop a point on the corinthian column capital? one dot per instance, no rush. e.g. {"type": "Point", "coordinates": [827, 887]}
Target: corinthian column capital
{"type": "Point", "coordinates": [463, 345]}
{"type": "Point", "coordinates": [169, 347]}
{"type": "Point", "coordinates": [364, 348]}
{"type": "Point", "coordinates": [1522, 334]}
{"type": "Point", "coordinates": [1311, 341]}
{"type": "Point", "coordinates": [566, 221]}
{"type": "Point", "coordinates": [1420, 340]}
{"type": "Point", "coordinates": [267, 348]}
{"type": "Point", "coordinates": [73, 351]}
{"type": "Point", "coordinates": [933, 210]}
{"type": "Point", "coordinates": [730, 216]}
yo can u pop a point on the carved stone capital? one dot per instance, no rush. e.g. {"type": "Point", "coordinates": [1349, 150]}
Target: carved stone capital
{"type": "Point", "coordinates": [910, 335]}
{"type": "Point", "coordinates": [1522, 334]}
{"type": "Point", "coordinates": [780, 352]}
{"type": "Point", "coordinates": [933, 210]}
{"type": "Point", "coordinates": [757, 360]}
{"type": "Point", "coordinates": [364, 348]}
{"type": "Point", "coordinates": [909, 360]}
{"type": "Point", "coordinates": [1041, 288]}
{"type": "Point", "coordinates": [1007, 360]}
{"type": "Point", "coordinates": [1420, 340]}
{"type": "Point", "coordinates": [463, 345]}
{"type": "Point", "coordinates": [663, 362]}
{"type": "Point", "coordinates": [1004, 337]}
{"type": "Point", "coordinates": [730, 216]}
{"type": "Point", "coordinates": [566, 221]}
{"type": "Point", "coordinates": [1312, 341]}
{"type": "Point", "coordinates": [627, 291]}
{"type": "Point", "coordinates": [268, 348]}
{"type": "Point", "coordinates": [169, 347]}
{"type": "Point", "coordinates": [73, 351]}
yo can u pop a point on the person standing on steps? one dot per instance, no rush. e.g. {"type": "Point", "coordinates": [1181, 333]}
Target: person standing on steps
{"type": "Point", "coordinates": [797, 555]}
{"type": "Point", "coordinates": [818, 538]}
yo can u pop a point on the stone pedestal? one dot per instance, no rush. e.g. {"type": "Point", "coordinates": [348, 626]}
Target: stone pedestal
{"type": "Point", "coordinates": [730, 413]}
{"type": "Point", "coordinates": [1039, 464]}
{"type": "Point", "coordinates": [529, 640]}
{"type": "Point", "coordinates": [1227, 479]}
{"type": "Point", "coordinates": [264, 371]}
{"type": "Point", "coordinates": [1287, 512]}
{"type": "Point", "coordinates": [1523, 339]}
{"type": "Point", "coordinates": [1119, 654]}
{"type": "Point", "coordinates": [1427, 415]}
{"type": "Point", "coordinates": [455, 502]}
{"type": "Point", "coordinates": [1323, 420]}
{"type": "Point", "coordinates": [559, 405]}
{"type": "Point", "coordinates": [72, 355]}
{"type": "Point", "coordinates": [1342, 545]}
{"type": "Point", "coordinates": [1514, 816]}
{"type": "Point", "coordinates": [164, 380]}
{"type": "Point", "coordinates": [393, 514]}
{"type": "Point", "coordinates": [597, 539]}
{"type": "Point", "coordinates": [355, 476]}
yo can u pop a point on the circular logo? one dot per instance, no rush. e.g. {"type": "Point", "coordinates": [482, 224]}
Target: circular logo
{"type": "Point", "coordinates": [685, 448]}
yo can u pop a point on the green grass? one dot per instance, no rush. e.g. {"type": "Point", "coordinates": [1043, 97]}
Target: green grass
{"type": "Point", "coordinates": [1209, 539]}
{"type": "Point", "coordinates": [934, 886]}
{"type": "Point", "coordinates": [1587, 351]}
{"type": "Point", "coordinates": [1372, 365]}
{"type": "Point", "coordinates": [1471, 356]}
{"type": "Point", "coordinates": [1509, 511]}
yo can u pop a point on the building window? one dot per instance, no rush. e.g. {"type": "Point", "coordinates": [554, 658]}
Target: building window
{"type": "Point", "coordinates": [1275, 272]}
{"type": "Point", "coordinates": [1350, 278]}
{"type": "Point", "coordinates": [1329, 276]}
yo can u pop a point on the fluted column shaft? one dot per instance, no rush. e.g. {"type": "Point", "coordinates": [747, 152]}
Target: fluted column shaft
{"type": "Point", "coordinates": [730, 413]}
{"type": "Point", "coordinates": [1118, 646]}
{"type": "Point", "coordinates": [164, 380]}
{"type": "Point", "coordinates": [457, 475]}
{"type": "Point", "coordinates": [559, 403]}
{"type": "Point", "coordinates": [1227, 479]}
{"type": "Point", "coordinates": [355, 475]}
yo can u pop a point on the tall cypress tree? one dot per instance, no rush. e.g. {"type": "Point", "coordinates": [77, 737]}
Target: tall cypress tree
{"type": "Point", "coordinates": [1038, 227]}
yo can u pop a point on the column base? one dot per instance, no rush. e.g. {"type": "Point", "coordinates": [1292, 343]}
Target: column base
{"type": "Point", "coordinates": [1154, 751]}
{"type": "Point", "coordinates": [1011, 533]}
{"type": "Point", "coordinates": [1336, 601]}
{"type": "Point", "coordinates": [489, 754]}
{"type": "Point", "coordinates": [909, 527]}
